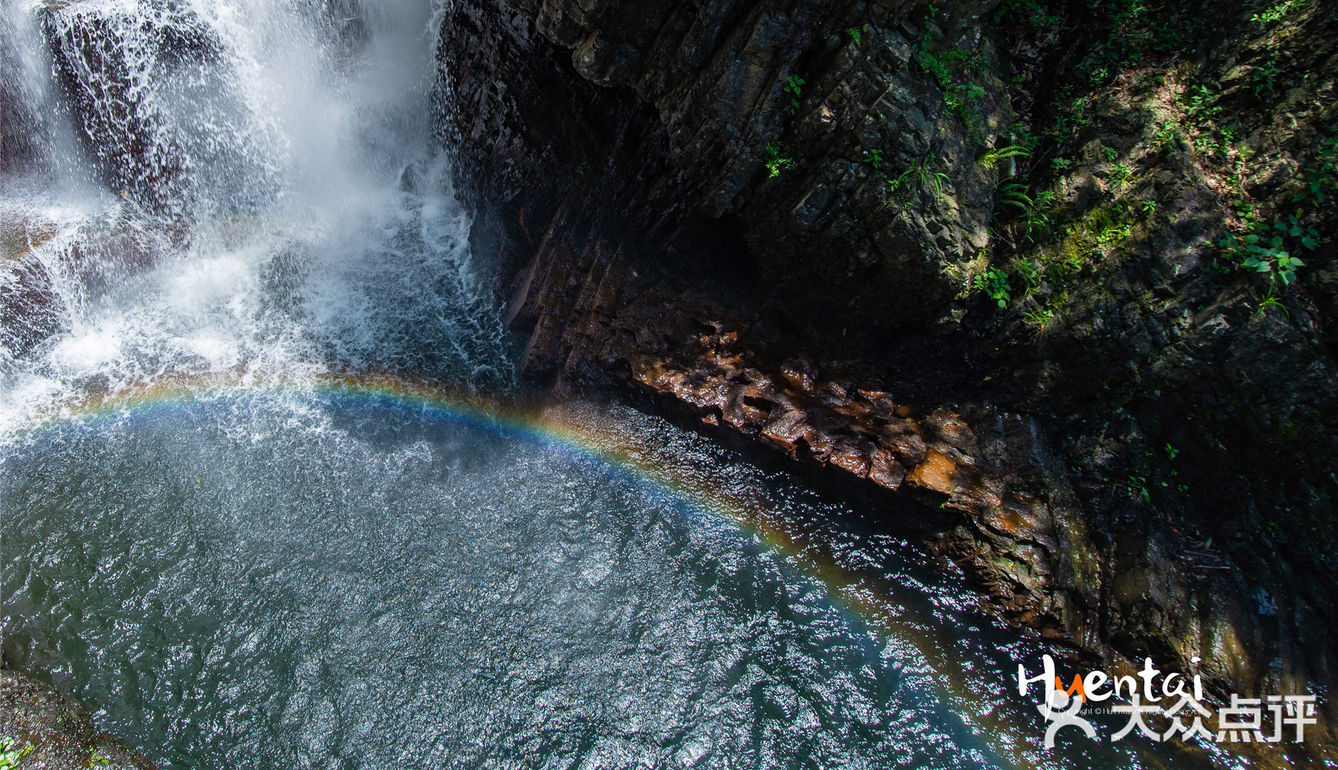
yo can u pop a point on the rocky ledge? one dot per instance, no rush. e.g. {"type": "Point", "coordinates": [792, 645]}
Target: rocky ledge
{"type": "Point", "coordinates": [52, 731]}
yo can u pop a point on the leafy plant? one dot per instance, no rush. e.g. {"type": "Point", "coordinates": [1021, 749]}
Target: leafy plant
{"type": "Point", "coordinates": [1029, 273]}
{"type": "Point", "coordinates": [794, 87]}
{"type": "Point", "coordinates": [873, 158]}
{"type": "Point", "coordinates": [929, 179]}
{"type": "Point", "coordinates": [1320, 180]}
{"type": "Point", "coordinates": [1138, 486]}
{"type": "Point", "coordinates": [1014, 193]}
{"type": "Point", "coordinates": [1120, 174]}
{"type": "Point", "coordinates": [1113, 233]}
{"type": "Point", "coordinates": [1278, 12]}
{"type": "Point", "coordinates": [1272, 300]}
{"type": "Point", "coordinates": [854, 33]}
{"type": "Point", "coordinates": [994, 284]}
{"type": "Point", "coordinates": [1039, 317]}
{"type": "Point", "coordinates": [1168, 131]}
{"type": "Point", "coordinates": [1061, 164]}
{"type": "Point", "coordinates": [934, 180]}
{"type": "Point", "coordinates": [1198, 103]}
{"type": "Point", "coordinates": [1265, 252]}
{"type": "Point", "coordinates": [1264, 76]}
{"type": "Point", "coordinates": [1033, 213]}
{"type": "Point", "coordinates": [959, 92]}
{"type": "Point", "coordinates": [1036, 219]}
{"type": "Point", "coordinates": [894, 184]}
{"type": "Point", "coordinates": [776, 161]}
{"type": "Point", "coordinates": [11, 754]}
{"type": "Point", "coordinates": [992, 158]}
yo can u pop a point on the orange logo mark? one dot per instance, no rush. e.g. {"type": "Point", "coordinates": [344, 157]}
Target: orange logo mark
{"type": "Point", "coordinates": [1075, 688]}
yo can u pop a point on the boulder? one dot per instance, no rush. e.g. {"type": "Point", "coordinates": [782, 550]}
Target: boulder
{"type": "Point", "coordinates": [55, 732]}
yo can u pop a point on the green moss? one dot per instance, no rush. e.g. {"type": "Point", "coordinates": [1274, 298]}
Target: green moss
{"type": "Point", "coordinates": [1087, 243]}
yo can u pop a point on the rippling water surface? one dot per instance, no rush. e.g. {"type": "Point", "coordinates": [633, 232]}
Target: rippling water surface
{"type": "Point", "coordinates": [336, 578]}
{"type": "Point", "coordinates": [305, 582]}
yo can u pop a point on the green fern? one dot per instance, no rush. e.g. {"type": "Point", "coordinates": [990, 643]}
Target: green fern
{"type": "Point", "coordinates": [1015, 194]}
{"type": "Point", "coordinates": [992, 158]}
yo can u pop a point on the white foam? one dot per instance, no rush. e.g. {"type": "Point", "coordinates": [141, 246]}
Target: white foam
{"type": "Point", "coordinates": [289, 247]}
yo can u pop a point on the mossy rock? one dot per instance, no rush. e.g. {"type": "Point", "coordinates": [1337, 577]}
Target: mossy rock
{"type": "Point", "coordinates": [58, 728]}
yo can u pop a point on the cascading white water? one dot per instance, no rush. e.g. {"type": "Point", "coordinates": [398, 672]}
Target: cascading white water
{"type": "Point", "coordinates": [247, 187]}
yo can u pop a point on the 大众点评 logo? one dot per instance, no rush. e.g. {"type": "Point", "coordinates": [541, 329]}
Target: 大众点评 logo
{"type": "Point", "coordinates": [1171, 701]}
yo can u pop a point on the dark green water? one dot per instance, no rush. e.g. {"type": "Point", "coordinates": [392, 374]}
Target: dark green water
{"type": "Point", "coordinates": [270, 580]}
{"type": "Point", "coordinates": [264, 582]}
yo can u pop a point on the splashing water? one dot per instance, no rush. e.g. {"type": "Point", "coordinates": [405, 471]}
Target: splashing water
{"type": "Point", "coordinates": [246, 186]}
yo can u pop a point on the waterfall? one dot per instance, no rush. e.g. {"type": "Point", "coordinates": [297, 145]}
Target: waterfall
{"type": "Point", "coordinates": [350, 553]}
{"type": "Point", "coordinates": [198, 186]}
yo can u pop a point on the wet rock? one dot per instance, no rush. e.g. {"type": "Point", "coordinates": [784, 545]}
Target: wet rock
{"type": "Point", "coordinates": [98, 72]}
{"type": "Point", "coordinates": [58, 729]}
{"type": "Point", "coordinates": [119, 69]}
{"type": "Point", "coordinates": [29, 312]}
{"type": "Point", "coordinates": [826, 233]}
{"type": "Point", "coordinates": [19, 127]}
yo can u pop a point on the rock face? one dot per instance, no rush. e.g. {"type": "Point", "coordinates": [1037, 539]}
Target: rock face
{"type": "Point", "coordinates": [993, 499]}
{"type": "Point", "coordinates": [119, 70]}
{"type": "Point", "coordinates": [1128, 439]}
{"type": "Point", "coordinates": [107, 92]}
{"type": "Point", "coordinates": [58, 730]}
{"type": "Point", "coordinates": [794, 117]}
{"type": "Point", "coordinates": [29, 312]}
{"type": "Point", "coordinates": [18, 126]}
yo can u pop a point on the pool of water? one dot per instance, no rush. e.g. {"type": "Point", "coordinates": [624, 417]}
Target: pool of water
{"type": "Point", "coordinates": [340, 582]}
{"type": "Point", "coordinates": [337, 579]}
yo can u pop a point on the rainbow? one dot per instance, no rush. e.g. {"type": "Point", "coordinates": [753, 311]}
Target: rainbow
{"type": "Point", "coordinates": [581, 429]}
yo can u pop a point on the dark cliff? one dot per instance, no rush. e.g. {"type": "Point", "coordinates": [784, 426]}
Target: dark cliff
{"type": "Point", "coordinates": [1063, 274]}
